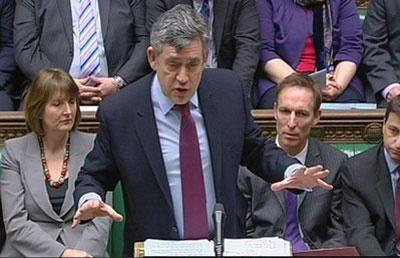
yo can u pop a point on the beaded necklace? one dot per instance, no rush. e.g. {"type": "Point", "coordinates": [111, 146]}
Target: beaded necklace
{"type": "Point", "coordinates": [46, 171]}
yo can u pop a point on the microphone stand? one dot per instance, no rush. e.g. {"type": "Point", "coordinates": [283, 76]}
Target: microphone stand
{"type": "Point", "coordinates": [218, 218]}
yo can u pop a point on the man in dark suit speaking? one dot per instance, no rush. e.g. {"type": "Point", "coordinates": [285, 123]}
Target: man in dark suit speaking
{"type": "Point", "coordinates": [177, 150]}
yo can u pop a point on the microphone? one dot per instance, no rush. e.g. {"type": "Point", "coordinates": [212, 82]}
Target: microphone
{"type": "Point", "coordinates": [218, 218]}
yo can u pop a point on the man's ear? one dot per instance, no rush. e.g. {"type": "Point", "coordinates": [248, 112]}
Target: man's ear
{"type": "Point", "coordinates": [317, 117]}
{"type": "Point", "coordinates": [152, 57]}
{"type": "Point", "coordinates": [275, 111]}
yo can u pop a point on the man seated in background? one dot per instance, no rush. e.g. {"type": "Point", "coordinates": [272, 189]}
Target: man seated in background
{"type": "Point", "coordinates": [371, 192]}
{"type": "Point", "coordinates": [234, 29]}
{"type": "Point", "coordinates": [311, 219]}
{"type": "Point", "coordinates": [7, 62]}
{"type": "Point", "coordinates": [381, 57]}
{"type": "Point", "coordinates": [100, 43]}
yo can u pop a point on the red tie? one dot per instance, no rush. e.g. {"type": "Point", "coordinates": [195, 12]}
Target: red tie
{"type": "Point", "coordinates": [193, 191]}
{"type": "Point", "coordinates": [397, 210]}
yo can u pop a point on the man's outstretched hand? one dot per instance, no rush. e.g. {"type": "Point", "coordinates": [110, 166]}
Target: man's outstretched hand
{"type": "Point", "coordinates": [304, 178]}
{"type": "Point", "coordinates": [92, 209]}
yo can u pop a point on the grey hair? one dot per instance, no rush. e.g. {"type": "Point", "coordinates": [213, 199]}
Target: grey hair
{"type": "Point", "coordinates": [178, 27]}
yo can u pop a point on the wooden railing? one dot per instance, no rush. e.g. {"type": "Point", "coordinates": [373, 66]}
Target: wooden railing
{"type": "Point", "coordinates": [350, 126]}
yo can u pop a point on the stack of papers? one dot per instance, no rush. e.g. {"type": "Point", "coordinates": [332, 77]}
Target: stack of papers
{"type": "Point", "coordinates": [266, 246]}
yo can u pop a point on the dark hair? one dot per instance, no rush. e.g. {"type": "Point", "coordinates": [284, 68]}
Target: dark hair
{"type": "Point", "coordinates": [48, 82]}
{"type": "Point", "coordinates": [301, 81]}
{"type": "Point", "coordinates": [393, 106]}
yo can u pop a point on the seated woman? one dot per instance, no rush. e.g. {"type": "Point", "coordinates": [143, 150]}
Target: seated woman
{"type": "Point", "coordinates": [306, 36]}
{"type": "Point", "coordinates": [39, 172]}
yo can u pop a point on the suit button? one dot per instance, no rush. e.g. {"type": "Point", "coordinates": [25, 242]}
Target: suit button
{"type": "Point", "coordinates": [175, 229]}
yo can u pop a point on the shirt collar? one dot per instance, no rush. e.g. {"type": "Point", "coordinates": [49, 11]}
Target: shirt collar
{"type": "Point", "coordinates": [392, 165]}
{"type": "Point", "coordinates": [301, 156]}
{"type": "Point", "coordinates": [165, 103]}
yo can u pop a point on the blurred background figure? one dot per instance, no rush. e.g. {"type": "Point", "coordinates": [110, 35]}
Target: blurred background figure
{"type": "Point", "coordinates": [234, 29]}
{"type": "Point", "coordinates": [100, 43]}
{"type": "Point", "coordinates": [381, 33]}
{"type": "Point", "coordinates": [39, 172]}
{"type": "Point", "coordinates": [7, 62]}
{"type": "Point", "coordinates": [310, 220]}
{"type": "Point", "coordinates": [306, 36]}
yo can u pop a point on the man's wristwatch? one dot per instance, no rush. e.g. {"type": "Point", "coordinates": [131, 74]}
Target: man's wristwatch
{"type": "Point", "coordinates": [120, 82]}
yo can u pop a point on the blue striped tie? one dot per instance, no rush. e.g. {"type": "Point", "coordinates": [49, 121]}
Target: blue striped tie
{"type": "Point", "coordinates": [88, 45]}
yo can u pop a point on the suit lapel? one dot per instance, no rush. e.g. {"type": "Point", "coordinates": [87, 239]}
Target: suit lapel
{"type": "Point", "coordinates": [34, 176]}
{"type": "Point", "coordinates": [384, 186]}
{"type": "Point", "coordinates": [74, 165]}
{"type": "Point", "coordinates": [313, 158]}
{"type": "Point", "coordinates": [64, 9]}
{"type": "Point", "coordinates": [220, 7]}
{"type": "Point", "coordinates": [146, 129]}
{"type": "Point", "coordinates": [104, 9]}
{"type": "Point", "coordinates": [209, 108]}
{"type": "Point", "coordinates": [281, 199]}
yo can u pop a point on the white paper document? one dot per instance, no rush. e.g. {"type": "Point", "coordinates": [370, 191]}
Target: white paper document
{"type": "Point", "coordinates": [266, 246]}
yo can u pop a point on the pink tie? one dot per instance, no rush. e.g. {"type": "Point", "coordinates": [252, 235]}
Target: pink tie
{"type": "Point", "coordinates": [193, 191]}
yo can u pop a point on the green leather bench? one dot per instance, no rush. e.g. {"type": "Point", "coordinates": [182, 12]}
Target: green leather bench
{"type": "Point", "coordinates": [115, 244]}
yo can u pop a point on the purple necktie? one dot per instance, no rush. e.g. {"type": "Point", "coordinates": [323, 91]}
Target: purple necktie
{"type": "Point", "coordinates": [292, 232]}
{"type": "Point", "coordinates": [193, 191]}
{"type": "Point", "coordinates": [397, 210]}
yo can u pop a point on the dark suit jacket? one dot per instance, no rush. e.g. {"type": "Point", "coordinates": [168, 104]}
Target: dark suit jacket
{"type": "Point", "coordinates": [235, 33]}
{"type": "Point", "coordinates": [127, 149]}
{"type": "Point", "coordinates": [319, 212]}
{"type": "Point", "coordinates": [368, 203]}
{"type": "Point", "coordinates": [7, 62]}
{"type": "Point", "coordinates": [43, 36]}
{"type": "Point", "coordinates": [381, 33]}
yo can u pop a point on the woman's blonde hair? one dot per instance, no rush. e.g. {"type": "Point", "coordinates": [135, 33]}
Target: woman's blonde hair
{"type": "Point", "coordinates": [48, 82]}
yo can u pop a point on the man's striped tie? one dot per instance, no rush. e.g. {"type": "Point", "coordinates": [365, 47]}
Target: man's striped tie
{"type": "Point", "coordinates": [89, 49]}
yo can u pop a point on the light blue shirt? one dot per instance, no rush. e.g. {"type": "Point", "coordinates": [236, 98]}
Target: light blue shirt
{"type": "Point", "coordinates": [75, 69]}
{"type": "Point", "coordinates": [168, 121]}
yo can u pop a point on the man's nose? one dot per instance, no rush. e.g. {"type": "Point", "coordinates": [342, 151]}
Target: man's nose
{"type": "Point", "coordinates": [292, 120]}
{"type": "Point", "coordinates": [182, 76]}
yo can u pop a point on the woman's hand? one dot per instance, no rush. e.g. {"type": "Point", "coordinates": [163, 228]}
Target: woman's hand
{"type": "Point", "coordinates": [332, 90]}
{"type": "Point", "coordinates": [75, 253]}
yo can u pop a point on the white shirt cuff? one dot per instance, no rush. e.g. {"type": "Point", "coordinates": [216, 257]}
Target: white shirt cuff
{"type": "Point", "coordinates": [386, 90]}
{"type": "Point", "coordinates": [88, 196]}
{"type": "Point", "coordinates": [293, 168]}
